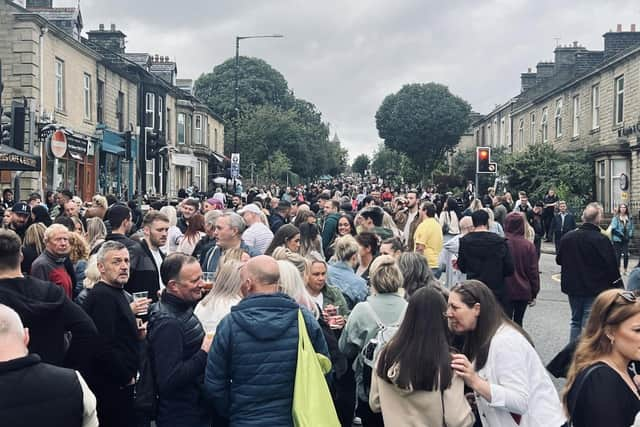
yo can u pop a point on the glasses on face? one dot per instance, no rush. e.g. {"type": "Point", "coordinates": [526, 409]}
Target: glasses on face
{"type": "Point", "coordinates": [629, 297]}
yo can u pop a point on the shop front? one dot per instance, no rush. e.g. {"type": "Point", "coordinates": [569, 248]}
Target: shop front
{"type": "Point", "coordinates": [70, 163]}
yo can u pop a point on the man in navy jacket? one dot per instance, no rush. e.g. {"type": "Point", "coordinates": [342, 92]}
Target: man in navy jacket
{"type": "Point", "coordinates": [251, 368]}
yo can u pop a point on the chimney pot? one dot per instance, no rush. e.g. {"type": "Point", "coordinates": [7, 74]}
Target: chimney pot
{"type": "Point", "coordinates": [166, 59]}
{"type": "Point", "coordinates": [156, 58]}
{"type": "Point", "coordinates": [619, 28]}
{"type": "Point", "coordinates": [529, 70]}
{"type": "Point", "coordinates": [113, 27]}
{"type": "Point", "coordinates": [575, 43]}
{"type": "Point", "coordinates": [633, 28]}
{"type": "Point", "coordinates": [101, 27]}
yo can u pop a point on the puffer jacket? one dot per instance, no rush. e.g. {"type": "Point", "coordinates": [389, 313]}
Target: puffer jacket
{"type": "Point", "coordinates": [252, 364]}
{"type": "Point", "coordinates": [524, 283]}
{"type": "Point", "coordinates": [175, 336]}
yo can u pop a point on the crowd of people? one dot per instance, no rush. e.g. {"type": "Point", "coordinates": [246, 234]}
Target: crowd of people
{"type": "Point", "coordinates": [192, 312]}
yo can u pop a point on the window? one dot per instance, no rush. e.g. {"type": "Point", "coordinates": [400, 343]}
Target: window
{"type": "Point", "coordinates": [86, 91]}
{"type": "Point", "coordinates": [495, 130]}
{"type": "Point", "coordinates": [545, 125]}
{"type": "Point", "coordinates": [602, 182]}
{"type": "Point", "coordinates": [197, 174]}
{"type": "Point", "coordinates": [197, 125]}
{"type": "Point", "coordinates": [502, 132]}
{"type": "Point", "coordinates": [100, 102]}
{"type": "Point", "coordinates": [181, 128]}
{"type": "Point", "coordinates": [59, 84]}
{"type": "Point", "coordinates": [521, 133]}
{"type": "Point", "coordinates": [160, 113]}
{"type": "Point", "coordinates": [149, 110]}
{"type": "Point", "coordinates": [532, 129]}
{"type": "Point", "coordinates": [151, 176]}
{"type": "Point", "coordinates": [619, 106]}
{"type": "Point", "coordinates": [576, 116]}
{"type": "Point", "coordinates": [595, 106]}
{"type": "Point", "coordinates": [168, 133]}
{"type": "Point", "coordinates": [120, 111]}
{"type": "Point", "coordinates": [215, 139]}
{"type": "Point", "coordinates": [558, 118]}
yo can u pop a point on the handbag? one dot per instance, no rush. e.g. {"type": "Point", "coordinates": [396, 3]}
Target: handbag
{"type": "Point", "coordinates": [312, 402]}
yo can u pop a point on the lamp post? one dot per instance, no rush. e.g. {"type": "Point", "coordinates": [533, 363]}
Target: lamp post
{"type": "Point", "coordinates": [237, 70]}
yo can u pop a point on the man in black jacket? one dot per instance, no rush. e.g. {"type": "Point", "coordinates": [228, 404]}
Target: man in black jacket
{"type": "Point", "coordinates": [485, 256]}
{"type": "Point", "coordinates": [589, 266]}
{"type": "Point", "coordinates": [33, 393]}
{"type": "Point", "coordinates": [178, 345]}
{"type": "Point", "coordinates": [562, 223]}
{"type": "Point", "coordinates": [45, 310]}
{"type": "Point", "coordinates": [145, 276]}
{"type": "Point", "coordinates": [117, 347]}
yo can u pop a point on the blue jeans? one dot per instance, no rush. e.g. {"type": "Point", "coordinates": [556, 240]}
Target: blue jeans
{"type": "Point", "coordinates": [580, 310]}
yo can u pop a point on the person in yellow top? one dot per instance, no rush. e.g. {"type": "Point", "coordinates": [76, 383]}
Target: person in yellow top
{"type": "Point", "coordinates": [428, 237]}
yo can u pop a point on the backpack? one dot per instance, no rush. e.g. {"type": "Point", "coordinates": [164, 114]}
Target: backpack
{"type": "Point", "coordinates": [372, 348]}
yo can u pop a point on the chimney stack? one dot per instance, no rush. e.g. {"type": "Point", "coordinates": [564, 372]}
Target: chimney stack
{"type": "Point", "coordinates": [112, 39]}
{"type": "Point", "coordinates": [616, 42]}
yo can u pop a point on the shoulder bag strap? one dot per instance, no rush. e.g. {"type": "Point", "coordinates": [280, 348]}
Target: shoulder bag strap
{"type": "Point", "coordinates": [375, 316]}
{"type": "Point", "coordinates": [579, 389]}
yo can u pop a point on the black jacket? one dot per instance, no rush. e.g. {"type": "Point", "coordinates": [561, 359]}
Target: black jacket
{"type": "Point", "coordinates": [175, 337]}
{"type": "Point", "coordinates": [37, 394]}
{"type": "Point", "coordinates": [117, 345]}
{"type": "Point", "coordinates": [144, 275]}
{"type": "Point", "coordinates": [559, 229]}
{"type": "Point", "coordinates": [588, 262]}
{"type": "Point", "coordinates": [485, 256]}
{"type": "Point", "coordinates": [49, 314]}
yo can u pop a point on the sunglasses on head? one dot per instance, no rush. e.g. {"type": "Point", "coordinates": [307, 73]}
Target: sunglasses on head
{"type": "Point", "coordinates": [629, 297]}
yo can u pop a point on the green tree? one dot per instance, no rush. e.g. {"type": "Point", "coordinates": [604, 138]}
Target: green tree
{"type": "Point", "coordinates": [360, 164]}
{"type": "Point", "coordinates": [391, 164]}
{"type": "Point", "coordinates": [258, 84]}
{"type": "Point", "coordinates": [422, 121]}
{"type": "Point", "coordinates": [276, 167]}
{"type": "Point", "coordinates": [271, 118]}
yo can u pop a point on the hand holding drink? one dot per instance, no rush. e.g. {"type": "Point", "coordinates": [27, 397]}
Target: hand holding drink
{"type": "Point", "coordinates": [207, 281]}
{"type": "Point", "coordinates": [140, 304]}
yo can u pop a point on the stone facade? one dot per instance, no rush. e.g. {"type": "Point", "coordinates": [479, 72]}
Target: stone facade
{"type": "Point", "coordinates": [573, 104]}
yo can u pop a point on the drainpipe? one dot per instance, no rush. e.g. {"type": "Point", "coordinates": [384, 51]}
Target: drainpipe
{"type": "Point", "coordinates": [43, 32]}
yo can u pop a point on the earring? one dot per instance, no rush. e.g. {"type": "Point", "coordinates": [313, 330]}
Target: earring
{"type": "Point", "coordinates": [611, 339]}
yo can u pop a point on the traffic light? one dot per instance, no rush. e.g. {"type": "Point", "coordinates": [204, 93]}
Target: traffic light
{"type": "Point", "coordinates": [153, 145]}
{"type": "Point", "coordinates": [18, 114]}
{"type": "Point", "coordinates": [127, 145]}
{"type": "Point", "coordinates": [483, 161]}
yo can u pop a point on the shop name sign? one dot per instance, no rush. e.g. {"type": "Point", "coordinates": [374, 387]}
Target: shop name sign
{"type": "Point", "coordinates": [15, 161]}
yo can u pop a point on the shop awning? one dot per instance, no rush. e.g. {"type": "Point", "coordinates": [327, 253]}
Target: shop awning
{"type": "Point", "coordinates": [112, 143]}
{"type": "Point", "coordinates": [181, 159]}
{"type": "Point", "coordinates": [17, 160]}
{"type": "Point", "coordinates": [219, 157]}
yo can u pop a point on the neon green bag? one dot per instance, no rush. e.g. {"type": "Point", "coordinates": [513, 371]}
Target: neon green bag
{"type": "Point", "coordinates": [312, 403]}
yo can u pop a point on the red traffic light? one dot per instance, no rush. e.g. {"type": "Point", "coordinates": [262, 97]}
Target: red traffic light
{"type": "Point", "coordinates": [483, 154]}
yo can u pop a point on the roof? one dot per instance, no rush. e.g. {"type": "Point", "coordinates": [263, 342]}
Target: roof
{"type": "Point", "coordinates": [163, 66]}
{"type": "Point", "coordinates": [139, 58]}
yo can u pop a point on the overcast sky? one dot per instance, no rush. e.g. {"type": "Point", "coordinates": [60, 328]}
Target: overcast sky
{"type": "Point", "coordinates": [345, 56]}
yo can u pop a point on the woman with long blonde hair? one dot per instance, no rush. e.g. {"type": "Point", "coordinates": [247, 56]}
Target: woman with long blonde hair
{"type": "Point", "coordinates": [224, 295]}
{"type": "Point", "coordinates": [600, 391]}
{"type": "Point", "coordinates": [96, 232]}
{"type": "Point", "coordinates": [32, 245]}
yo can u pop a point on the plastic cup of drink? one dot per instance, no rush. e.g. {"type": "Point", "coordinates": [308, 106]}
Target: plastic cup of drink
{"type": "Point", "coordinates": [207, 279]}
{"type": "Point", "coordinates": [138, 296]}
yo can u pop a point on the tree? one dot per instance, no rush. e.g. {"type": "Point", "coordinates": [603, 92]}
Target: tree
{"type": "Point", "coordinates": [422, 121]}
{"type": "Point", "coordinates": [389, 164]}
{"type": "Point", "coordinates": [258, 84]}
{"type": "Point", "coordinates": [277, 166]}
{"type": "Point", "coordinates": [361, 164]}
{"type": "Point", "coordinates": [271, 118]}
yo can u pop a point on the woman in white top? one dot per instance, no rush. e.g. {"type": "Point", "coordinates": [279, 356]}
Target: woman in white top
{"type": "Point", "coordinates": [174, 235]}
{"type": "Point", "coordinates": [224, 295]}
{"type": "Point", "coordinates": [511, 386]}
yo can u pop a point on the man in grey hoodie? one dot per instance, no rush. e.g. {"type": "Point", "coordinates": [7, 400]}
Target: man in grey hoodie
{"type": "Point", "coordinates": [449, 255]}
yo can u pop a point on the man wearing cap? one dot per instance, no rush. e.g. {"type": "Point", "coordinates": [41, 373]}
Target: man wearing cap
{"type": "Point", "coordinates": [20, 218]}
{"type": "Point", "coordinates": [257, 235]}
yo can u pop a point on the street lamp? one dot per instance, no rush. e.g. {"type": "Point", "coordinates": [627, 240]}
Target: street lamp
{"type": "Point", "coordinates": [237, 70]}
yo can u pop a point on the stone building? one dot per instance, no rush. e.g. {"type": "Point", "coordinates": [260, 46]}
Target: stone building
{"type": "Point", "coordinates": [583, 100]}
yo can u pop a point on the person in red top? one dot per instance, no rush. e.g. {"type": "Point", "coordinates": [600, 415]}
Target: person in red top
{"type": "Point", "coordinates": [50, 265]}
{"type": "Point", "coordinates": [387, 195]}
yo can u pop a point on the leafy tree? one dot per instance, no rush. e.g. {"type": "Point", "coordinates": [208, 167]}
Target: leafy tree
{"type": "Point", "coordinates": [422, 121]}
{"type": "Point", "coordinates": [277, 166]}
{"type": "Point", "coordinates": [391, 164]}
{"type": "Point", "coordinates": [271, 118]}
{"type": "Point", "coordinates": [360, 164]}
{"type": "Point", "coordinates": [258, 84]}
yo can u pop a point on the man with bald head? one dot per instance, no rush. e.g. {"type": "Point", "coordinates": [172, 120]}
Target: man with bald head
{"type": "Point", "coordinates": [251, 367]}
{"type": "Point", "coordinates": [449, 254]}
{"type": "Point", "coordinates": [34, 393]}
{"type": "Point", "coordinates": [589, 266]}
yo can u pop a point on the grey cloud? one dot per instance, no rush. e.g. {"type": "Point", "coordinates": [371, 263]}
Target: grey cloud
{"type": "Point", "coordinates": [346, 56]}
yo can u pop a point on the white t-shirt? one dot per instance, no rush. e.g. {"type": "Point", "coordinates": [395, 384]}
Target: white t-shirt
{"type": "Point", "coordinates": [319, 299]}
{"type": "Point", "coordinates": [158, 260]}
